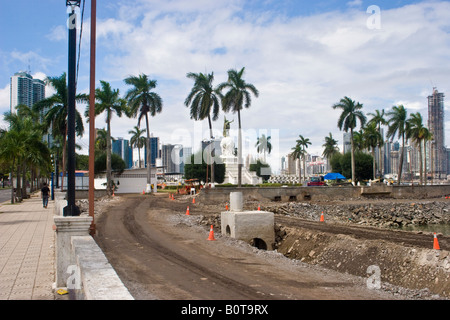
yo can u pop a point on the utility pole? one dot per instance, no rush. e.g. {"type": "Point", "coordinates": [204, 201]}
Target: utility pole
{"type": "Point", "coordinates": [71, 209]}
{"type": "Point", "coordinates": [92, 115]}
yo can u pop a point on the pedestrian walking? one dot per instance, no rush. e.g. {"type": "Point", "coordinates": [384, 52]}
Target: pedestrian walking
{"type": "Point", "coordinates": [45, 192]}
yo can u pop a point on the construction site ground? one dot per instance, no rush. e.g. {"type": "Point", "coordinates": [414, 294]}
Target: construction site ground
{"type": "Point", "coordinates": [161, 253]}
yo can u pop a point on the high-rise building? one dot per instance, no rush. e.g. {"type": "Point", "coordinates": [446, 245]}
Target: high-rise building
{"type": "Point", "coordinates": [438, 152]}
{"type": "Point", "coordinates": [346, 142]}
{"type": "Point", "coordinates": [171, 158]}
{"type": "Point", "coordinates": [25, 90]}
{"type": "Point", "coordinates": [122, 148]}
{"type": "Point", "coordinates": [155, 152]}
{"type": "Point", "coordinates": [185, 155]}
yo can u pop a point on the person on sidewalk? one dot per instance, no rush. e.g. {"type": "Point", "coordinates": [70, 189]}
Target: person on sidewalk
{"type": "Point", "coordinates": [45, 192]}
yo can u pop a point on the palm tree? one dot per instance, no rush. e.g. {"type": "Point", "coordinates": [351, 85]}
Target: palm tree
{"type": "Point", "coordinates": [263, 145]}
{"type": "Point", "coordinates": [21, 147]}
{"type": "Point", "coordinates": [108, 101]}
{"type": "Point", "coordinates": [379, 120]}
{"type": "Point", "coordinates": [330, 147]}
{"type": "Point", "coordinates": [397, 125]}
{"type": "Point", "coordinates": [55, 110]}
{"type": "Point", "coordinates": [237, 97]}
{"type": "Point", "coordinates": [12, 148]}
{"type": "Point", "coordinates": [427, 136]}
{"type": "Point", "coordinates": [137, 140]}
{"type": "Point", "coordinates": [204, 100]}
{"type": "Point", "coordinates": [371, 140]}
{"type": "Point", "coordinates": [303, 143]}
{"type": "Point", "coordinates": [297, 153]}
{"type": "Point", "coordinates": [142, 102]}
{"type": "Point", "coordinates": [351, 113]}
{"type": "Point", "coordinates": [358, 141]}
{"type": "Point", "coordinates": [416, 132]}
{"type": "Point", "coordinates": [100, 141]}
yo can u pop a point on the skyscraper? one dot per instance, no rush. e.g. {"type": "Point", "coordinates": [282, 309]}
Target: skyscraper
{"type": "Point", "coordinates": [438, 154]}
{"type": "Point", "coordinates": [155, 151]}
{"type": "Point", "coordinates": [122, 148]}
{"type": "Point", "coordinates": [25, 90]}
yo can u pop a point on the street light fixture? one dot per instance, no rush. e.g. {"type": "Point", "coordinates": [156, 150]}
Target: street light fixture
{"type": "Point", "coordinates": [73, 3]}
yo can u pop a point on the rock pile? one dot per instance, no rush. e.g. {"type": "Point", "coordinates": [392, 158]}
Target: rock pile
{"type": "Point", "coordinates": [382, 214]}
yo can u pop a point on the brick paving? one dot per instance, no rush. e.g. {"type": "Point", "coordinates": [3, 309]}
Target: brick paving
{"type": "Point", "coordinates": [27, 250]}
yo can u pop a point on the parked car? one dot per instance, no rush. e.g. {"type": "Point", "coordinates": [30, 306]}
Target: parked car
{"type": "Point", "coordinates": [316, 181]}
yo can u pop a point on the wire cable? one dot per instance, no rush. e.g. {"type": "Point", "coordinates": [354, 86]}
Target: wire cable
{"type": "Point", "coordinates": [79, 44]}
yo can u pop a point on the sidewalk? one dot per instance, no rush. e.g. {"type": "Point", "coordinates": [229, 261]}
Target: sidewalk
{"type": "Point", "coordinates": [27, 250]}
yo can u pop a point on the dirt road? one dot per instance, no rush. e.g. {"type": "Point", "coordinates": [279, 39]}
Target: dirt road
{"type": "Point", "coordinates": [159, 253]}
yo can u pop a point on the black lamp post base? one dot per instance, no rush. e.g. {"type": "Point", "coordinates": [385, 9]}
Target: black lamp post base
{"type": "Point", "coordinates": [71, 211]}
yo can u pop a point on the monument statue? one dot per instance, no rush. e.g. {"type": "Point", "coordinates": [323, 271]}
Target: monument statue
{"type": "Point", "coordinates": [227, 143]}
{"type": "Point", "coordinates": [226, 126]}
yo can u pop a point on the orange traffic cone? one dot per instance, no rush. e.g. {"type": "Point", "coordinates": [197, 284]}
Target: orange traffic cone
{"type": "Point", "coordinates": [226, 207]}
{"type": "Point", "coordinates": [259, 208]}
{"type": "Point", "coordinates": [321, 217]}
{"type": "Point", "coordinates": [143, 191]}
{"type": "Point", "coordinates": [187, 211]}
{"type": "Point", "coordinates": [436, 243]}
{"type": "Point", "coordinates": [173, 197]}
{"type": "Point", "coordinates": [211, 234]}
{"type": "Point", "coordinates": [193, 200]}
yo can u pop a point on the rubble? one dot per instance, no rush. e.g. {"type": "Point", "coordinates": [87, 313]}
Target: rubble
{"type": "Point", "coordinates": [382, 214]}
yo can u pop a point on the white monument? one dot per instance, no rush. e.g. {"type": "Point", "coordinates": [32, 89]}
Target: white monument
{"type": "Point", "coordinates": [231, 160]}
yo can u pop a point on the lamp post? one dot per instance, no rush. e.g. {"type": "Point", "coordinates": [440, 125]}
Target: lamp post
{"type": "Point", "coordinates": [71, 209]}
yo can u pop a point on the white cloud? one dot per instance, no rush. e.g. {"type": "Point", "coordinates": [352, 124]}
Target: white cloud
{"type": "Point", "coordinates": [300, 65]}
{"type": "Point", "coordinates": [354, 3]}
{"type": "Point", "coordinates": [4, 103]}
{"type": "Point", "coordinates": [58, 33]}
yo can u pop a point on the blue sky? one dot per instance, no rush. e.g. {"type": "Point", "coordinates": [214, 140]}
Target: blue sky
{"type": "Point", "coordinates": [303, 56]}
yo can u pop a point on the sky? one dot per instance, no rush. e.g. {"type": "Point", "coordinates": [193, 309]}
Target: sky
{"type": "Point", "coordinates": [302, 56]}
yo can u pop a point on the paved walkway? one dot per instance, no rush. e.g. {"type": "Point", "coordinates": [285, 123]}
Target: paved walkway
{"type": "Point", "coordinates": [27, 250]}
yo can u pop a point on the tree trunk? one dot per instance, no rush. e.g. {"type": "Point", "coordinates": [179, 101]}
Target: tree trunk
{"type": "Point", "coordinates": [299, 170]}
{"type": "Point", "coordinates": [139, 155]}
{"type": "Point", "coordinates": [24, 180]}
{"type": "Point", "coordinates": [149, 151]}
{"type": "Point", "coordinates": [421, 162]}
{"type": "Point", "coordinates": [304, 168]}
{"type": "Point", "coordinates": [108, 159]}
{"type": "Point", "coordinates": [425, 162]}
{"type": "Point", "coordinates": [212, 153]}
{"type": "Point", "coordinates": [13, 196]}
{"type": "Point", "coordinates": [63, 169]}
{"type": "Point", "coordinates": [374, 164]}
{"type": "Point", "coordinates": [352, 156]}
{"type": "Point", "coordinates": [239, 151]}
{"type": "Point", "coordinates": [400, 165]}
{"type": "Point", "coordinates": [18, 188]}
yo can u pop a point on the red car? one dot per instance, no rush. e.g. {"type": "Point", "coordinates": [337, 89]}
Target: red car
{"type": "Point", "coordinates": [316, 181]}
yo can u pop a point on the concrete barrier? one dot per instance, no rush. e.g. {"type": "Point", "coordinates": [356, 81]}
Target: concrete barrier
{"type": "Point", "coordinates": [221, 195]}
{"type": "Point", "coordinates": [98, 280]}
{"type": "Point", "coordinates": [81, 266]}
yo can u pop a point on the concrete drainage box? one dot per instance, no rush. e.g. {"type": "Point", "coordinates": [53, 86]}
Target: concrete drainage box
{"type": "Point", "coordinates": [254, 227]}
